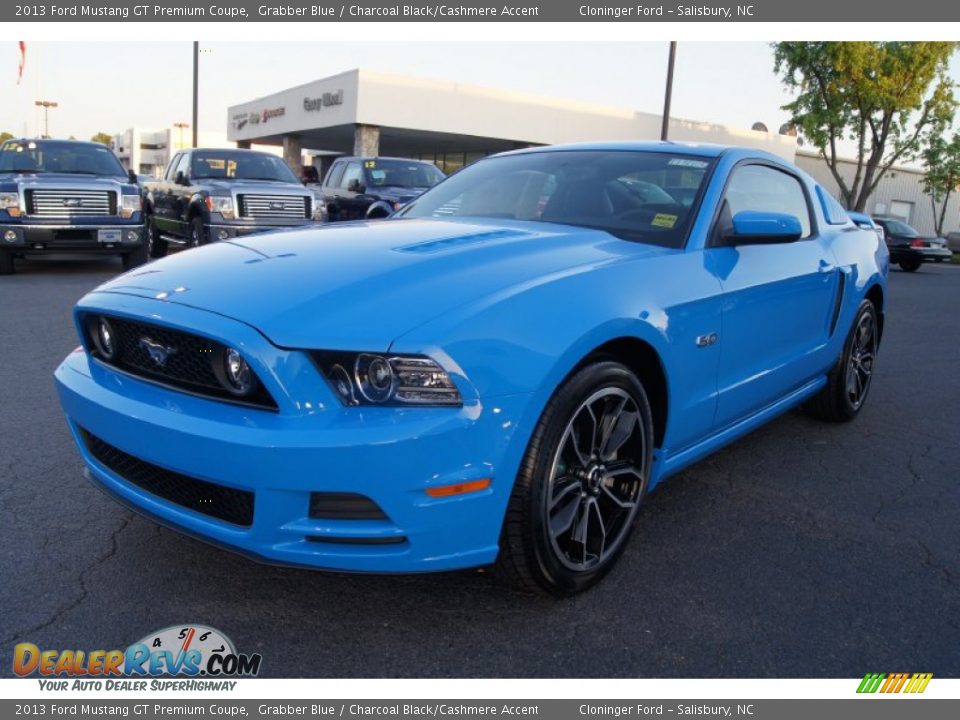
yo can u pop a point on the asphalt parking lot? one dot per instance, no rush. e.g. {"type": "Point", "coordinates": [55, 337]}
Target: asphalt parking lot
{"type": "Point", "coordinates": [804, 550]}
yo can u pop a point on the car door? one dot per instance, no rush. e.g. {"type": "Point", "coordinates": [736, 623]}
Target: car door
{"type": "Point", "coordinates": [162, 207]}
{"type": "Point", "coordinates": [351, 187]}
{"type": "Point", "coordinates": [181, 193]}
{"type": "Point", "coordinates": [778, 299]}
{"type": "Point", "coordinates": [331, 185]}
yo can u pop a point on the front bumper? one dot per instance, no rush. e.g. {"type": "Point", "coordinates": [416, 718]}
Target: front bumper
{"type": "Point", "coordinates": [312, 444]}
{"type": "Point", "coordinates": [40, 238]}
{"type": "Point", "coordinates": [940, 253]}
{"type": "Point", "coordinates": [225, 231]}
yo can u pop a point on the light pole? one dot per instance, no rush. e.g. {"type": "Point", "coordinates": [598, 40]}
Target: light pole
{"type": "Point", "coordinates": [180, 126]}
{"type": "Point", "coordinates": [668, 96]}
{"type": "Point", "coordinates": [196, 88]}
{"type": "Point", "coordinates": [46, 105]}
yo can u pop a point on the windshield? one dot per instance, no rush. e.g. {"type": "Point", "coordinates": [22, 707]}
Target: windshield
{"type": "Point", "coordinates": [895, 227]}
{"type": "Point", "coordinates": [59, 156]}
{"type": "Point", "coordinates": [642, 196]}
{"type": "Point", "coordinates": [241, 166]}
{"type": "Point", "coordinates": [401, 173]}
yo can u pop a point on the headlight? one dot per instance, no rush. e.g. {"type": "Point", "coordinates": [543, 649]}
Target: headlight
{"type": "Point", "coordinates": [234, 373]}
{"type": "Point", "coordinates": [104, 339]}
{"type": "Point", "coordinates": [370, 379]}
{"type": "Point", "coordinates": [10, 201]}
{"type": "Point", "coordinates": [222, 205]}
{"type": "Point", "coordinates": [129, 204]}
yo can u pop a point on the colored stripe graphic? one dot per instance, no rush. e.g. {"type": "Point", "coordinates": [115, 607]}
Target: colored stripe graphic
{"type": "Point", "coordinates": [894, 683]}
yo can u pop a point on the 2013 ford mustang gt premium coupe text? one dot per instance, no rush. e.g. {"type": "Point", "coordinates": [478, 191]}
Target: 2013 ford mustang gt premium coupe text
{"type": "Point", "coordinates": [496, 375]}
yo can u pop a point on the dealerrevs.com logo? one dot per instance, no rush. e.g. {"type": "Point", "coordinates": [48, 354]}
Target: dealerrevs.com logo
{"type": "Point", "coordinates": [179, 650]}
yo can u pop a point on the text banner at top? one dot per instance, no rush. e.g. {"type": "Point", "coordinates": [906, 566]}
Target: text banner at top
{"type": "Point", "coordinates": [518, 11]}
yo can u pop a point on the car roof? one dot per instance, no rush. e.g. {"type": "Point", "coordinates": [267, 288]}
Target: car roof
{"type": "Point", "coordinates": [381, 157]}
{"type": "Point", "coordinates": [680, 148]}
{"type": "Point", "coordinates": [62, 141]}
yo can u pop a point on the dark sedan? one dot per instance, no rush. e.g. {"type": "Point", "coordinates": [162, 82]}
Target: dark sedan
{"type": "Point", "coordinates": [908, 248]}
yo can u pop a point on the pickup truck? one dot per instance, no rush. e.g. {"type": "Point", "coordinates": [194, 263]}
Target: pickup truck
{"type": "Point", "coordinates": [207, 195]}
{"type": "Point", "coordinates": [370, 188]}
{"type": "Point", "coordinates": [65, 196]}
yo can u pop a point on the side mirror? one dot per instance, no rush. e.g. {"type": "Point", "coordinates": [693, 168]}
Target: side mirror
{"type": "Point", "coordinates": [355, 186]}
{"type": "Point", "coordinates": [762, 228]}
{"type": "Point", "coordinates": [181, 179]}
{"type": "Point", "coordinates": [132, 177]}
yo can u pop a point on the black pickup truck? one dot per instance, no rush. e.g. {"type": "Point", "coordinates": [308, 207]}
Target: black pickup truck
{"type": "Point", "coordinates": [65, 196]}
{"type": "Point", "coordinates": [209, 195]}
{"type": "Point", "coordinates": [359, 188]}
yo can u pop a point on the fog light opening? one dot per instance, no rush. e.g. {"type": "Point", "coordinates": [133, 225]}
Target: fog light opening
{"type": "Point", "coordinates": [223, 235]}
{"type": "Point", "coordinates": [132, 235]}
{"type": "Point", "coordinates": [10, 236]}
{"type": "Point", "coordinates": [461, 488]}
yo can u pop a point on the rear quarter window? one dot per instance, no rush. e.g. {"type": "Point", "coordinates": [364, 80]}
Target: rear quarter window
{"type": "Point", "coordinates": [832, 210]}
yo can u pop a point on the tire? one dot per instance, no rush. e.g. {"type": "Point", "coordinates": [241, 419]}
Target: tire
{"type": "Point", "coordinates": [848, 383]}
{"type": "Point", "coordinates": [157, 245]}
{"type": "Point", "coordinates": [551, 540]}
{"type": "Point", "coordinates": [136, 258]}
{"type": "Point", "coordinates": [910, 265]}
{"type": "Point", "coordinates": [6, 263]}
{"type": "Point", "coordinates": [198, 232]}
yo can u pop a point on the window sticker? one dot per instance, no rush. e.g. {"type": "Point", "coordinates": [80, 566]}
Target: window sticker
{"type": "Point", "coordinates": [378, 174]}
{"type": "Point", "coordinates": [664, 220]}
{"type": "Point", "coordinates": [686, 162]}
{"type": "Point", "coordinates": [370, 164]}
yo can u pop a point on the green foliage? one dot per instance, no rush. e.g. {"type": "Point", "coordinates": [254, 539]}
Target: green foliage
{"type": "Point", "coordinates": [103, 139]}
{"type": "Point", "coordinates": [4, 136]}
{"type": "Point", "coordinates": [941, 161]}
{"type": "Point", "coordinates": [879, 95]}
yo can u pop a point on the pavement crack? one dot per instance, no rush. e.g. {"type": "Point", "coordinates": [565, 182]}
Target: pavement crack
{"type": "Point", "coordinates": [84, 590]}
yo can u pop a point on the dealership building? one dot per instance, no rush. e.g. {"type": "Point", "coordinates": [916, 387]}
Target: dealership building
{"type": "Point", "coordinates": [366, 112]}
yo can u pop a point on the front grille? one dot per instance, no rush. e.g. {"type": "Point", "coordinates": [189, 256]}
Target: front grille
{"type": "Point", "coordinates": [189, 363]}
{"type": "Point", "coordinates": [207, 498]}
{"type": "Point", "coordinates": [71, 203]}
{"type": "Point", "coordinates": [274, 207]}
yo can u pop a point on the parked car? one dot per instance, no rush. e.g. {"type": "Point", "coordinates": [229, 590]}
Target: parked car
{"type": "Point", "coordinates": [371, 188]}
{"type": "Point", "coordinates": [497, 377]}
{"type": "Point", "coordinates": [907, 248]}
{"type": "Point", "coordinates": [207, 195]}
{"type": "Point", "coordinates": [67, 196]}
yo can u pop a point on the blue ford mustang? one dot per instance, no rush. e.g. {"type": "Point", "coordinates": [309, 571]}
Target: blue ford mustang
{"type": "Point", "coordinates": [497, 375]}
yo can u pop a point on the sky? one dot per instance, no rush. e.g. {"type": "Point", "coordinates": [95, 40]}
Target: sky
{"type": "Point", "coordinates": [110, 86]}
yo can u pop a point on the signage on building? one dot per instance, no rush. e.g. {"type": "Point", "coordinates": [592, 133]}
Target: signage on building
{"type": "Point", "coordinates": [242, 119]}
{"type": "Point", "coordinates": [328, 99]}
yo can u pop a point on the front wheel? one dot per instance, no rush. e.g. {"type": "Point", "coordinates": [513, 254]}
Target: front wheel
{"type": "Point", "coordinates": [583, 477]}
{"type": "Point", "coordinates": [157, 245]}
{"type": "Point", "coordinates": [849, 381]}
{"type": "Point", "coordinates": [910, 265]}
{"type": "Point", "coordinates": [198, 232]}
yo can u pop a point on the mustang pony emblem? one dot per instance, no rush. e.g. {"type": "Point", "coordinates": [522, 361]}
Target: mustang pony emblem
{"type": "Point", "coordinates": [158, 352]}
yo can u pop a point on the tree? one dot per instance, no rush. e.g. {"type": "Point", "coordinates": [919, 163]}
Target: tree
{"type": "Point", "coordinates": [103, 139]}
{"type": "Point", "coordinates": [941, 161]}
{"type": "Point", "coordinates": [4, 136]}
{"type": "Point", "coordinates": [879, 95]}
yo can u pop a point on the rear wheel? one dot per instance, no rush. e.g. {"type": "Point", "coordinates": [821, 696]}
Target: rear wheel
{"type": "Point", "coordinates": [910, 265]}
{"type": "Point", "coordinates": [157, 245]}
{"type": "Point", "coordinates": [6, 263]}
{"type": "Point", "coordinates": [849, 382]}
{"type": "Point", "coordinates": [585, 472]}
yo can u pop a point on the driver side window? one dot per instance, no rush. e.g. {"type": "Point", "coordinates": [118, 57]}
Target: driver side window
{"type": "Point", "coordinates": [761, 188]}
{"type": "Point", "coordinates": [353, 172]}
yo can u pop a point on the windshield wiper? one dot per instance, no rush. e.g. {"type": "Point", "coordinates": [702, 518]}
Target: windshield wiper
{"type": "Point", "coordinates": [271, 179]}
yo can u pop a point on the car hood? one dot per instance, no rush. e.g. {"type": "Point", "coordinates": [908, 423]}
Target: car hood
{"type": "Point", "coordinates": [63, 180]}
{"type": "Point", "coordinates": [355, 286]}
{"type": "Point", "coordinates": [266, 187]}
